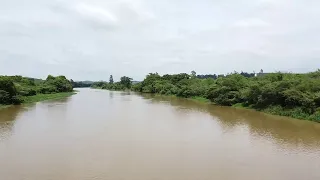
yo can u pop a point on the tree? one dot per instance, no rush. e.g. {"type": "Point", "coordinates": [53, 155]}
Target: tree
{"type": "Point", "coordinates": [55, 84]}
{"type": "Point", "coordinates": [8, 91]}
{"type": "Point", "coordinates": [50, 77]}
{"type": "Point", "coordinates": [73, 83]}
{"type": "Point", "coordinates": [193, 74]}
{"type": "Point", "coordinates": [126, 82]}
{"type": "Point", "coordinates": [111, 79]}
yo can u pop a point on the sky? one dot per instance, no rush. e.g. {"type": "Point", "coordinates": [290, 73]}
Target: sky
{"type": "Point", "coordinates": [91, 39]}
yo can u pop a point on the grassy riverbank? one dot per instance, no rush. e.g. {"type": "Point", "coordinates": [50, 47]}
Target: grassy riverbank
{"type": "Point", "coordinates": [15, 90]}
{"type": "Point", "coordinates": [200, 99]}
{"type": "Point", "coordinates": [297, 113]}
{"type": "Point", "coordinates": [4, 106]}
{"type": "Point", "coordinates": [42, 97]}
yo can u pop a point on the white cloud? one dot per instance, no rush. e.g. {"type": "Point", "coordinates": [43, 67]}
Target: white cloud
{"type": "Point", "coordinates": [91, 39]}
{"type": "Point", "coordinates": [95, 13]}
{"type": "Point", "coordinates": [251, 22]}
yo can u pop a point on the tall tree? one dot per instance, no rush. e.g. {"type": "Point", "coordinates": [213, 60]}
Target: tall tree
{"type": "Point", "coordinates": [111, 79]}
{"type": "Point", "coordinates": [126, 81]}
{"type": "Point", "coordinates": [193, 74]}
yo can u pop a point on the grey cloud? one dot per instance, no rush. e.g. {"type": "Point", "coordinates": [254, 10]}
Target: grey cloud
{"type": "Point", "coordinates": [91, 39]}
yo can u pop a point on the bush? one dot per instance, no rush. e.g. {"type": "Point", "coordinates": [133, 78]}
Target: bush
{"type": "Point", "coordinates": [8, 91]}
{"type": "Point", "coordinates": [315, 116]}
{"type": "Point", "coordinates": [27, 92]}
{"type": "Point", "coordinates": [6, 84]}
{"type": "Point", "coordinates": [47, 89]}
{"type": "Point", "coordinates": [13, 89]}
{"type": "Point", "coordinates": [5, 97]}
{"type": "Point", "coordinates": [17, 100]}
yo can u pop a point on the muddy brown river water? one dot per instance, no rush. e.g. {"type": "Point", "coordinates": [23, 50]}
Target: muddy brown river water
{"type": "Point", "coordinates": [103, 135]}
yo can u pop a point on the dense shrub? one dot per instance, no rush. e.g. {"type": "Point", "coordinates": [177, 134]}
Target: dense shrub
{"type": "Point", "coordinates": [59, 83]}
{"type": "Point", "coordinates": [27, 92]}
{"type": "Point", "coordinates": [124, 84]}
{"type": "Point", "coordinates": [5, 97]}
{"type": "Point", "coordinates": [14, 88]}
{"type": "Point", "coordinates": [47, 89]}
{"type": "Point", "coordinates": [8, 91]}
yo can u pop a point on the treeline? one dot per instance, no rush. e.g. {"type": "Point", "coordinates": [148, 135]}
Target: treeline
{"type": "Point", "coordinates": [14, 89]}
{"type": "Point", "coordinates": [125, 83]}
{"type": "Point", "coordinates": [81, 84]}
{"type": "Point", "coordinates": [215, 76]}
{"type": "Point", "coordinates": [287, 94]}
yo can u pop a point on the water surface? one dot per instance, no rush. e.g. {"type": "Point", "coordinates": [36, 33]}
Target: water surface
{"type": "Point", "coordinates": [103, 135]}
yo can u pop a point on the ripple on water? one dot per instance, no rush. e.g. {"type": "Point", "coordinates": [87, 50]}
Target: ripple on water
{"type": "Point", "coordinates": [5, 130]}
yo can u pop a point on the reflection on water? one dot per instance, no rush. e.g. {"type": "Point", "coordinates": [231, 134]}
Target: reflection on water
{"type": "Point", "coordinates": [111, 94]}
{"type": "Point", "coordinates": [10, 113]}
{"type": "Point", "coordinates": [283, 130]}
{"type": "Point", "coordinates": [104, 135]}
{"type": "Point", "coordinates": [7, 116]}
{"type": "Point", "coordinates": [124, 93]}
{"type": "Point", "coordinates": [57, 101]}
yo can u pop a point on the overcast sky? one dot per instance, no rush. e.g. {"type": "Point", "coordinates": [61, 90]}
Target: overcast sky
{"type": "Point", "coordinates": [91, 39]}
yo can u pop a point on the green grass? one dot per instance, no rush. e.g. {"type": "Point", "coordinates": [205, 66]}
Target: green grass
{"type": "Point", "coordinates": [239, 105]}
{"type": "Point", "coordinates": [242, 106]}
{"type": "Point", "coordinates": [200, 99]}
{"type": "Point", "coordinates": [44, 97]}
{"type": "Point", "coordinates": [296, 113]}
{"type": "Point", "coordinates": [4, 106]}
{"type": "Point", "coordinates": [195, 98]}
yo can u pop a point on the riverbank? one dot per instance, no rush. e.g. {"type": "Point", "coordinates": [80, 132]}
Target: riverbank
{"type": "Point", "coordinates": [285, 94]}
{"type": "Point", "coordinates": [15, 90]}
{"type": "Point", "coordinates": [296, 113]}
{"type": "Point", "coordinates": [42, 97]}
{"type": "Point", "coordinates": [4, 106]}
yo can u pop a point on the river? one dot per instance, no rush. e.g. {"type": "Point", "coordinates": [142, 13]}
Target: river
{"type": "Point", "coordinates": [103, 135]}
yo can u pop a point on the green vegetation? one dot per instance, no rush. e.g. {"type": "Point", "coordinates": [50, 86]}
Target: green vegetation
{"type": "Point", "coordinates": [43, 97]}
{"type": "Point", "coordinates": [18, 89]}
{"type": "Point", "coordinates": [124, 84]}
{"type": "Point", "coordinates": [4, 106]}
{"type": "Point", "coordinates": [286, 94]}
{"type": "Point", "coordinates": [81, 84]}
{"type": "Point", "coordinates": [200, 99]}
